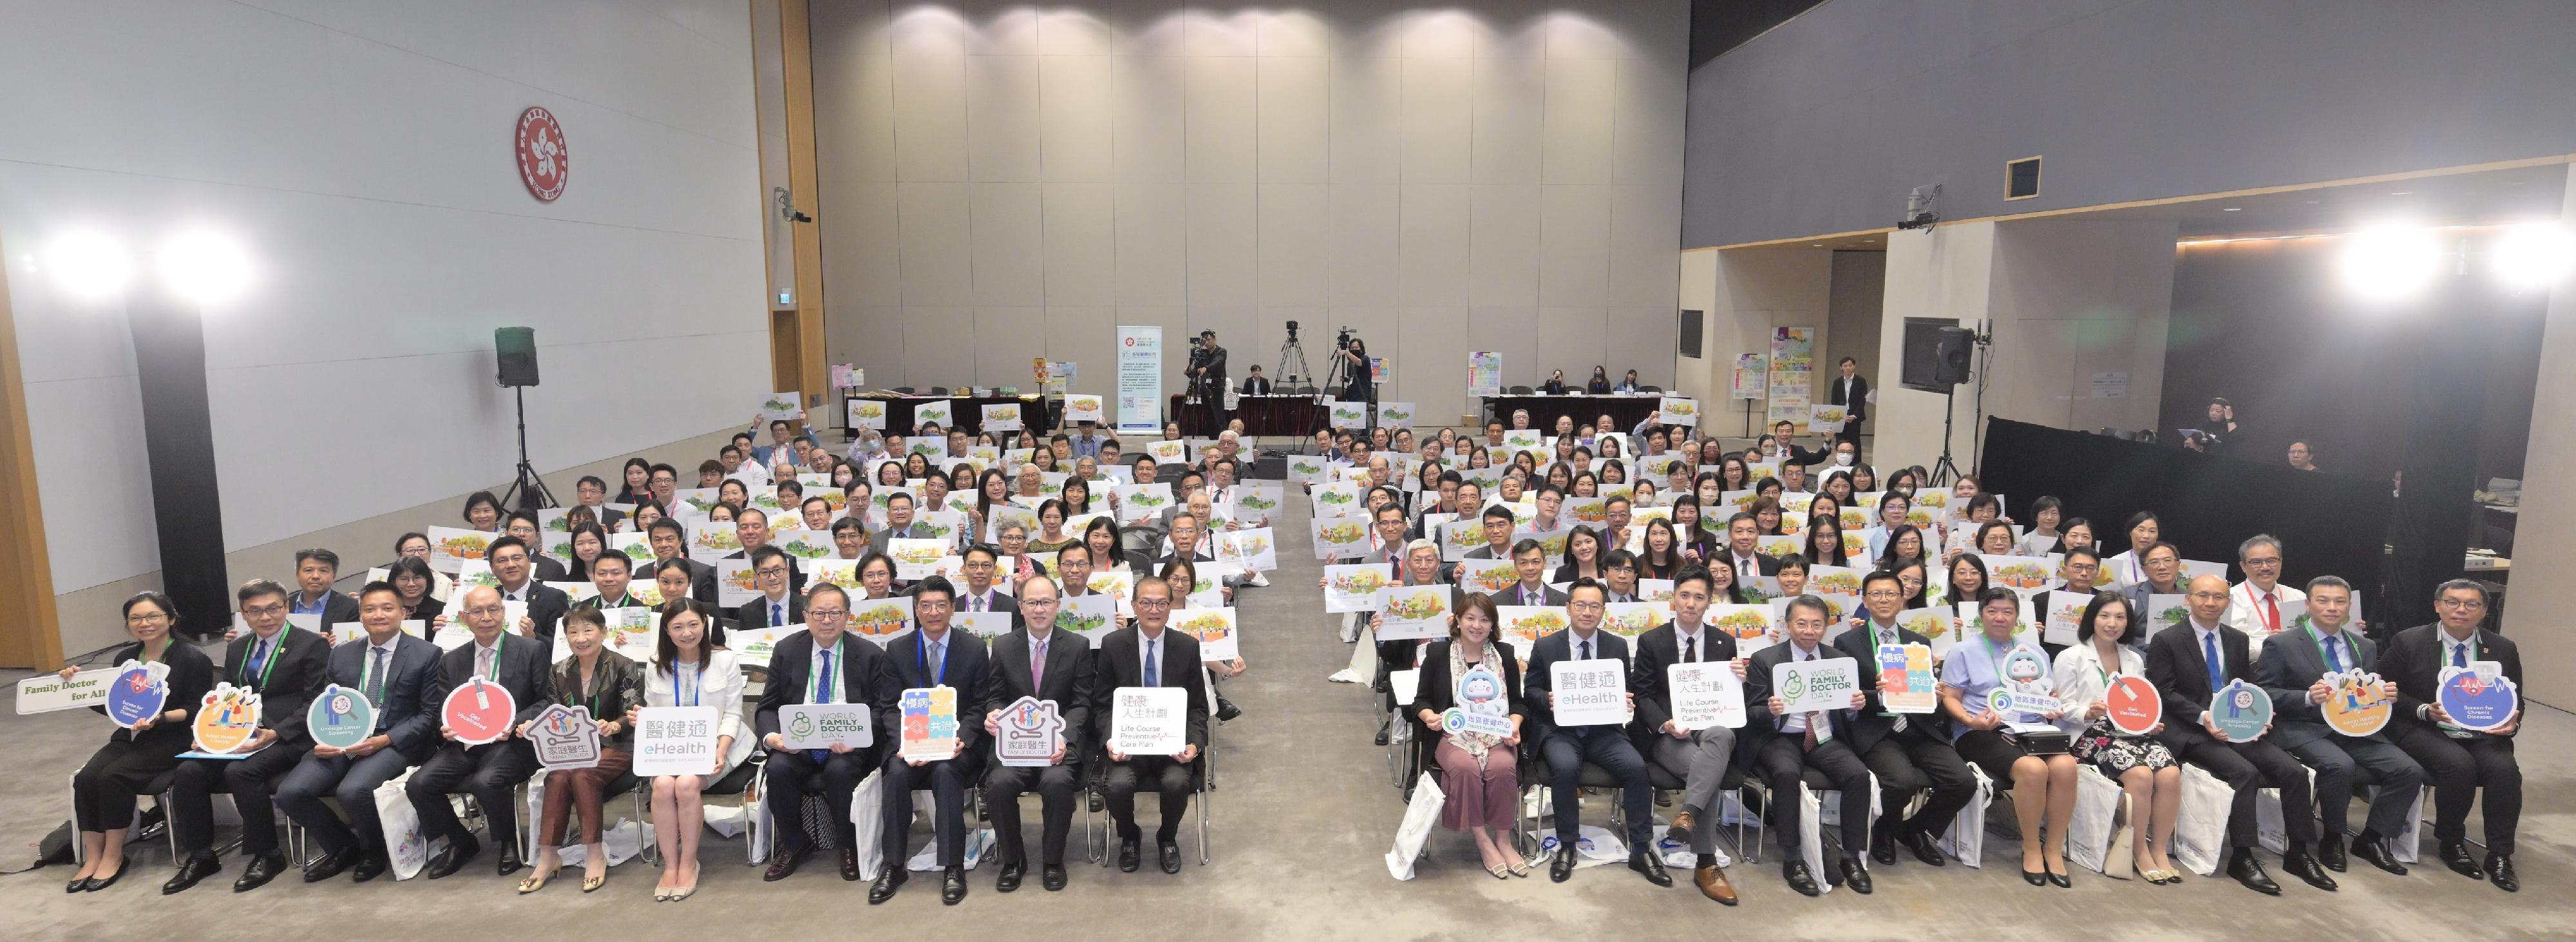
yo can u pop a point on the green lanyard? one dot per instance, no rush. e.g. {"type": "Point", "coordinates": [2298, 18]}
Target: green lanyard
{"type": "Point", "coordinates": [497, 642]}
{"type": "Point", "coordinates": [1995, 659]}
{"type": "Point", "coordinates": [592, 689]}
{"type": "Point", "coordinates": [268, 668]}
{"type": "Point", "coordinates": [2320, 645]}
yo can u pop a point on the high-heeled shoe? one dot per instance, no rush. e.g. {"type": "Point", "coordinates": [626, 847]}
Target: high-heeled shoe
{"type": "Point", "coordinates": [2035, 878]}
{"type": "Point", "coordinates": [2060, 879]}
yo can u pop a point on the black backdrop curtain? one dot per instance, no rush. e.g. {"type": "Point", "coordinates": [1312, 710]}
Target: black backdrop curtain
{"type": "Point", "coordinates": [2327, 524]}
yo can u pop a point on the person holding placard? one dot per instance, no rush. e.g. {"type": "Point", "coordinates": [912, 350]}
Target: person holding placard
{"type": "Point", "coordinates": [1569, 748]}
{"type": "Point", "coordinates": [2159, 573]}
{"type": "Point", "coordinates": [2145, 769]}
{"type": "Point", "coordinates": [104, 789]}
{"type": "Point", "coordinates": [899, 523]}
{"type": "Point", "coordinates": [2043, 784]}
{"type": "Point", "coordinates": [934, 656]}
{"type": "Point", "coordinates": [979, 594]}
{"type": "Point", "coordinates": [1743, 533]}
{"type": "Point", "coordinates": [690, 668]}
{"type": "Point", "coordinates": [1696, 756]}
{"type": "Point", "coordinates": [510, 558]}
{"type": "Point", "coordinates": [823, 665]}
{"type": "Point", "coordinates": [395, 671]}
{"type": "Point", "coordinates": [1037, 661]}
{"type": "Point", "coordinates": [1146, 655]}
{"type": "Point", "coordinates": [1784, 745]}
{"type": "Point", "coordinates": [609, 685]}
{"type": "Point", "coordinates": [2254, 605]}
{"type": "Point", "coordinates": [1529, 560]}
{"type": "Point", "coordinates": [286, 665]}
{"type": "Point", "coordinates": [1473, 671]}
{"type": "Point", "coordinates": [2188, 663]}
{"type": "Point", "coordinates": [2466, 766]}
{"type": "Point", "coordinates": [777, 605]}
{"type": "Point", "coordinates": [493, 770]}
{"type": "Point", "coordinates": [315, 570]}
{"type": "Point", "coordinates": [2294, 669]}
{"type": "Point", "coordinates": [1904, 751]}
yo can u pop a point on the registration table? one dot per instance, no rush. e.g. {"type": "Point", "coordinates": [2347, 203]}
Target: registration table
{"type": "Point", "coordinates": [968, 411]}
{"type": "Point", "coordinates": [1299, 416]}
{"type": "Point", "coordinates": [1626, 410]}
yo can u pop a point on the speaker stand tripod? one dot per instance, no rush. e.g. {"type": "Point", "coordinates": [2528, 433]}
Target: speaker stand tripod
{"type": "Point", "coordinates": [528, 489]}
{"type": "Point", "coordinates": [1946, 472]}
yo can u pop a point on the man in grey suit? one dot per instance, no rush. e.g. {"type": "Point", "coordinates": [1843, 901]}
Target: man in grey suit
{"type": "Point", "coordinates": [2291, 670]}
{"type": "Point", "coordinates": [395, 672]}
{"type": "Point", "coordinates": [979, 594]}
{"type": "Point", "coordinates": [1530, 560]}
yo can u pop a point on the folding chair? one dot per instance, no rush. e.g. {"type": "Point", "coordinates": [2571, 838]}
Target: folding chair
{"type": "Point", "coordinates": [1200, 770]}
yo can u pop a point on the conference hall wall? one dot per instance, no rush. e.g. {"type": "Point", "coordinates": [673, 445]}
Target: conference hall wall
{"type": "Point", "coordinates": [363, 154]}
{"type": "Point", "coordinates": [1002, 182]}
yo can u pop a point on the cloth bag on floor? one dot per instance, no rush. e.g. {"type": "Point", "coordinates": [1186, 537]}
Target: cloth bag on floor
{"type": "Point", "coordinates": [1420, 817]}
{"type": "Point", "coordinates": [867, 817]}
{"type": "Point", "coordinates": [2200, 830]}
{"type": "Point", "coordinates": [1966, 840]}
{"type": "Point", "coordinates": [403, 844]}
{"type": "Point", "coordinates": [2097, 812]}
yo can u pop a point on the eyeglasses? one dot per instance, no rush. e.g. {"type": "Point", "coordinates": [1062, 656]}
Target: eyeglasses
{"type": "Point", "coordinates": [265, 610]}
{"type": "Point", "coordinates": [773, 570]}
{"type": "Point", "coordinates": [925, 605]}
{"type": "Point", "coordinates": [146, 617]}
{"type": "Point", "coordinates": [2460, 605]}
{"type": "Point", "coordinates": [814, 613]}
{"type": "Point", "coordinates": [487, 610]}
{"type": "Point", "coordinates": [1153, 603]}
{"type": "Point", "coordinates": [2272, 563]}
{"type": "Point", "coordinates": [1885, 594]}
{"type": "Point", "coordinates": [1585, 606]}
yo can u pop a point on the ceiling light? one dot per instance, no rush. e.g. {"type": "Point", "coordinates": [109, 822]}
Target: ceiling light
{"type": "Point", "coordinates": [90, 264]}
{"type": "Point", "coordinates": [2389, 264]}
{"type": "Point", "coordinates": [2232, 209]}
{"type": "Point", "coordinates": [2532, 255]}
{"type": "Point", "coordinates": [205, 266]}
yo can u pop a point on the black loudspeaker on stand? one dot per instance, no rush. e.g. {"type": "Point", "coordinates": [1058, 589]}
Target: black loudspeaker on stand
{"type": "Point", "coordinates": [517, 351]}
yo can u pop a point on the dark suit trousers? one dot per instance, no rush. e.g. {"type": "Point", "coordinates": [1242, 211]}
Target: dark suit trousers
{"type": "Point", "coordinates": [491, 772]}
{"type": "Point", "coordinates": [2336, 757]}
{"type": "Point", "coordinates": [2457, 770]}
{"type": "Point", "coordinates": [251, 781]}
{"type": "Point", "coordinates": [1908, 762]}
{"type": "Point", "coordinates": [353, 782]}
{"type": "Point", "coordinates": [103, 790]}
{"type": "Point", "coordinates": [1055, 784]}
{"type": "Point", "coordinates": [842, 773]}
{"type": "Point", "coordinates": [1171, 778]}
{"type": "Point", "coordinates": [1783, 763]}
{"type": "Point", "coordinates": [2247, 767]}
{"type": "Point", "coordinates": [947, 783]}
{"type": "Point", "coordinates": [1609, 748]}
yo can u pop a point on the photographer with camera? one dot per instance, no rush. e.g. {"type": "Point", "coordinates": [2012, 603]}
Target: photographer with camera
{"type": "Point", "coordinates": [1359, 386]}
{"type": "Point", "coordinates": [1207, 379]}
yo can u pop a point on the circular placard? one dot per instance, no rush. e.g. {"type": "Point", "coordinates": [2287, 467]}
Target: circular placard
{"type": "Point", "coordinates": [478, 711]}
{"type": "Point", "coordinates": [134, 696]}
{"type": "Point", "coordinates": [2133, 705]}
{"type": "Point", "coordinates": [2240, 711]}
{"type": "Point", "coordinates": [227, 719]}
{"type": "Point", "coordinates": [2476, 703]}
{"type": "Point", "coordinates": [2356, 705]}
{"type": "Point", "coordinates": [340, 717]}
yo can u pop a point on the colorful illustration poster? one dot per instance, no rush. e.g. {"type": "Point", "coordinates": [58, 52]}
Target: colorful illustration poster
{"type": "Point", "coordinates": [930, 412]}
{"type": "Point", "coordinates": [565, 737]}
{"type": "Point", "coordinates": [450, 546]}
{"type": "Point", "coordinates": [2240, 711]}
{"type": "Point", "coordinates": [2478, 697]}
{"type": "Point", "coordinates": [227, 720]}
{"type": "Point", "coordinates": [1793, 349]}
{"type": "Point", "coordinates": [1749, 625]}
{"type": "Point", "coordinates": [782, 405]}
{"type": "Point", "coordinates": [1252, 549]}
{"type": "Point", "coordinates": [1523, 625]}
{"type": "Point", "coordinates": [2133, 705]}
{"type": "Point", "coordinates": [867, 413]}
{"type": "Point", "coordinates": [881, 620]}
{"type": "Point", "coordinates": [1354, 587]}
{"type": "Point", "coordinates": [1090, 616]}
{"type": "Point", "coordinates": [1395, 414]}
{"type": "Point", "coordinates": [1002, 417]}
{"type": "Point", "coordinates": [1916, 685]}
{"type": "Point", "coordinates": [929, 723]}
{"type": "Point", "coordinates": [1752, 378]}
{"type": "Point", "coordinates": [1413, 613]}
{"type": "Point", "coordinates": [2358, 702]}
{"type": "Point", "coordinates": [1082, 408]}
{"type": "Point", "coordinates": [1826, 419]}
{"type": "Point", "coordinates": [1028, 733]}
{"type": "Point", "coordinates": [1339, 537]}
{"type": "Point", "coordinates": [1215, 629]}
{"type": "Point", "coordinates": [1484, 373]}
{"type": "Point", "coordinates": [1678, 410]}
{"type": "Point", "coordinates": [1630, 619]}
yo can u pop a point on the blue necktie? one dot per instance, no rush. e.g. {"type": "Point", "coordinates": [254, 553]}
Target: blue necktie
{"type": "Point", "coordinates": [778, 616]}
{"type": "Point", "coordinates": [822, 694]}
{"type": "Point", "coordinates": [2334, 657]}
{"type": "Point", "coordinates": [1153, 674]}
{"type": "Point", "coordinates": [258, 657]}
{"type": "Point", "coordinates": [2459, 655]}
{"type": "Point", "coordinates": [2209, 653]}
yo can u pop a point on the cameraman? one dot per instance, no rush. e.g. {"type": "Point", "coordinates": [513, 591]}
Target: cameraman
{"type": "Point", "coordinates": [1361, 387]}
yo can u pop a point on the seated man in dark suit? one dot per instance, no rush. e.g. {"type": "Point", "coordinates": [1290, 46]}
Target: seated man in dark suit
{"type": "Point", "coordinates": [1038, 661]}
{"type": "Point", "coordinates": [2292, 670]}
{"type": "Point", "coordinates": [1902, 749]}
{"type": "Point", "coordinates": [670, 545]}
{"type": "Point", "coordinates": [2465, 766]}
{"type": "Point", "coordinates": [546, 604]}
{"type": "Point", "coordinates": [824, 664]}
{"type": "Point", "coordinates": [395, 672]}
{"type": "Point", "coordinates": [1784, 745]}
{"type": "Point", "coordinates": [1743, 534]}
{"type": "Point", "coordinates": [1146, 655]}
{"type": "Point", "coordinates": [899, 524]}
{"type": "Point", "coordinates": [287, 666]}
{"type": "Point", "coordinates": [2188, 663]}
{"type": "Point", "coordinates": [1568, 748]}
{"type": "Point", "coordinates": [1530, 560]}
{"type": "Point", "coordinates": [751, 526]}
{"type": "Point", "coordinates": [777, 605]}
{"type": "Point", "coordinates": [493, 770]}
{"type": "Point", "coordinates": [1697, 757]}
{"type": "Point", "coordinates": [934, 656]}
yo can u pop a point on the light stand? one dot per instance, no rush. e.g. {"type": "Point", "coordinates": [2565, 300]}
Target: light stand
{"type": "Point", "coordinates": [528, 488]}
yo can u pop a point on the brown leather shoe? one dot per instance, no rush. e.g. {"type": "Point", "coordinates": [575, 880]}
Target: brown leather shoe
{"type": "Point", "coordinates": [1712, 884]}
{"type": "Point", "coordinates": [1681, 828]}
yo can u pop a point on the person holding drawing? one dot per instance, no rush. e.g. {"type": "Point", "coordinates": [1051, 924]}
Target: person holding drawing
{"type": "Point", "coordinates": [2141, 764]}
{"type": "Point", "coordinates": [1480, 771]}
{"type": "Point", "coordinates": [1698, 757]}
{"type": "Point", "coordinates": [1901, 748]}
{"type": "Point", "coordinates": [1785, 745]}
{"type": "Point", "coordinates": [2043, 786]}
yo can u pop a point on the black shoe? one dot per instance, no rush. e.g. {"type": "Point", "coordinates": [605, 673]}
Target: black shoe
{"type": "Point", "coordinates": [332, 864]}
{"type": "Point", "coordinates": [193, 869]}
{"type": "Point", "coordinates": [1127, 855]}
{"type": "Point", "coordinates": [1795, 872]}
{"type": "Point", "coordinates": [2500, 873]}
{"type": "Point", "coordinates": [1561, 869]}
{"type": "Point", "coordinates": [460, 851]}
{"type": "Point", "coordinates": [1051, 876]}
{"type": "Point", "coordinates": [783, 861]}
{"type": "Point", "coordinates": [2306, 867]}
{"type": "Point", "coordinates": [509, 862]}
{"type": "Point", "coordinates": [1882, 847]}
{"type": "Point", "coordinates": [370, 866]}
{"type": "Point", "coordinates": [95, 884]}
{"type": "Point", "coordinates": [1170, 851]}
{"type": "Point", "coordinates": [1381, 736]}
{"type": "Point", "coordinates": [1226, 711]}
{"type": "Point", "coordinates": [77, 884]}
{"type": "Point", "coordinates": [1926, 848]}
{"type": "Point", "coordinates": [889, 880]}
{"type": "Point", "coordinates": [262, 869]}
{"type": "Point", "coordinates": [952, 886]}
{"type": "Point", "coordinates": [1646, 862]}
{"type": "Point", "coordinates": [2061, 881]}
{"type": "Point", "coordinates": [2249, 871]}
{"type": "Point", "coordinates": [2035, 877]}
{"type": "Point", "coordinates": [2330, 853]}
{"type": "Point", "coordinates": [1855, 876]}
{"type": "Point", "coordinates": [1098, 803]}
{"type": "Point", "coordinates": [1010, 878]}
{"type": "Point", "coordinates": [2456, 854]}
{"type": "Point", "coordinates": [849, 861]}
{"type": "Point", "coordinates": [2373, 849]}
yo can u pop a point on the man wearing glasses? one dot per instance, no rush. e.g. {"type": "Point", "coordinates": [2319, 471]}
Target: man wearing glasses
{"type": "Point", "coordinates": [1901, 750]}
{"type": "Point", "coordinates": [2254, 605]}
{"type": "Point", "coordinates": [287, 666]}
{"type": "Point", "coordinates": [1146, 655]}
{"type": "Point", "coordinates": [823, 665]}
{"type": "Point", "coordinates": [934, 656]}
{"type": "Point", "coordinates": [2464, 766]}
{"type": "Point", "coordinates": [778, 605]}
{"type": "Point", "coordinates": [1569, 748]}
{"type": "Point", "coordinates": [2188, 663]}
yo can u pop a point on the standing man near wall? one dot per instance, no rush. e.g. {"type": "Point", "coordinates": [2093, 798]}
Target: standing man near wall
{"type": "Point", "coordinates": [1851, 392]}
{"type": "Point", "coordinates": [1207, 379]}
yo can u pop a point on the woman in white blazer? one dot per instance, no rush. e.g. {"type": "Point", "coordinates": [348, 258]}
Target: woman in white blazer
{"type": "Point", "coordinates": [691, 668]}
{"type": "Point", "coordinates": [2140, 763]}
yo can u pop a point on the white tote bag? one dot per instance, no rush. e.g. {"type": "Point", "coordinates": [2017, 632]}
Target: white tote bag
{"type": "Point", "coordinates": [404, 846]}
{"type": "Point", "coordinates": [867, 817]}
{"type": "Point", "coordinates": [1419, 818]}
{"type": "Point", "coordinates": [2097, 812]}
{"type": "Point", "coordinates": [2201, 829]}
{"type": "Point", "coordinates": [1966, 840]}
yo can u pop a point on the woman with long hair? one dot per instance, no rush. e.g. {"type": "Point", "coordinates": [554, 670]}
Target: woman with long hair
{"type": "Point", "coordinates": [1482, 769]}
{"type": "Point", "coordinates": [104, 789]}
{"type": "Point", "coordinates": [692, 668]}
{"type": "Point", "coordinates": [1662, 556]}
{"type": "Point", "coordinates": [1823, 543]}
{"type": "Point", "coordinates": [2141, 764]}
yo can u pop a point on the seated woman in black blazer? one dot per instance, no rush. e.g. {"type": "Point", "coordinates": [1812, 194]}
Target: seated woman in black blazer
{"type": "Point", "coordinates": [103, 792]}
{"type": "Point", "coordinates": [1480, 772]}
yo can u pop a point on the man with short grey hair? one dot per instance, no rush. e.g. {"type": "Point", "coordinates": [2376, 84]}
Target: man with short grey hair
{"type": "Point", "coordinates": [2254, 605]}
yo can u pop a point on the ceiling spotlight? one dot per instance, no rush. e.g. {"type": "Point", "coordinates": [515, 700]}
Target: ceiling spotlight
{"type": "Point", "coordinates": [204, 266]}
{"type": "Point", "coordinates": [2232, 209]}
{"type": "Point", "coordinates": [2389, 264]}
{"type": "Point", "coordinates": [89, 264]}
{"type": "Point", "coordinates": [2532, 255]}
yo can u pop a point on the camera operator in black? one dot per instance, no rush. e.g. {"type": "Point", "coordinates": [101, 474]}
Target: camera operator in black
{"type": "Point", "coordinates": [1207, 379]}
{"type": "Point", "coordinates": [1360, 386]}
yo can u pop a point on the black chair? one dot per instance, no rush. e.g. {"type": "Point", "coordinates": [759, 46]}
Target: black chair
{"type": "Point", "coordinates": [939, 390]}
{"type": "Point", "coordinates": [903, 390]}
{"type": "Point", "coordinates": [1202, 770]}
{"type": "Point", "coordinates": [1650, 389]}
{"type": "Point", "coordinates": [1521, 391]}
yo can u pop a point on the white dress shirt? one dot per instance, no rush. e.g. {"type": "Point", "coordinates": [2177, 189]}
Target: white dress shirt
{"type": "Point", "coordinates": [2245, 608]}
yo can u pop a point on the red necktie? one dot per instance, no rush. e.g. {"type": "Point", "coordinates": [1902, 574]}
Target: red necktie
{"type": "Point", "coordinates": [2271, 613]}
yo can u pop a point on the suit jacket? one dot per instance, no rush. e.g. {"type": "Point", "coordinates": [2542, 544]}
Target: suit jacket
{"type": "Point", "coordinates": [754, 615]}
{"type": "Point", "coordinates": [1856, 405]}
{"type": "Point", "coordinates": [2181, 674]}
{"type": "Point", "coordinates": [968, 668]}
{"type": "Point", "coordinates": [409, 716]}
{"type": "Point", "coordinates": [1487, 551]}
{"type": "Point", "coordinates": [1553, 387]}
{"type": "Point", "coordinates": [1768, 565]}
{"type": "Point", "coordinates": [1117, 664]}
{"type": "Point", "coordinates": [287, 682]}
{"type": "Point", "coordinates": [1257, 386]}
{"type": "Point", "coordinates": [702, 577]}
{"type": "Point", "coordinates": [520, 668]}
{"type": "Point", "coordinates": [546, 607]}
{"type": "Point", "coordinates": [1512, 596]}
{"type": "Point", "coordinates": [867, 676]}
{"type": "Point", "coordinates": [1069, 681]}
{"type": "Point", "coordinates": [1543, 659]}
{"type": "Point", "coordinates": [1760, 726]}
{"type": "Point", "coordinates": [338, 608]}
{"type": "Point", "coordinates": [1659, 648]}
{"type": "Point", "coordinates": [1869, 727]}
{"type": "Point", "coordinates": [2412, 665]}
{"type": "Point", "coordinates": [545, 568]}
{"type": "Point", "coordinates": [795, 571]}
{"type": "Point", "coordinates": [1438, 691]}
{"type": "Point", "coordinates": [2290, 665]}
{"type": "Point", "coordinates": [880, 540]}
{"type": "Point", "coordinates": [1214, 379]}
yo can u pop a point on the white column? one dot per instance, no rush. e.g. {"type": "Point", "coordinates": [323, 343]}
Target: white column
{"type": "Point", "coordinates": [2544, 548]}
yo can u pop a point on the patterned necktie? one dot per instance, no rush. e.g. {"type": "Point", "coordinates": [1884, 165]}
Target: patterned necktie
{"type": "Point", "coordinates": [938, 661]}
{"type": "Point", "coordinates": [1690, 650]}
{"type": "Point", "coordinates": [2209, 653]}
{"type": "Point", "coordinates": [1153, 675]}
{"type": "Point", "coordinates": [2334, 656]}
{"type": "Point", "coordinates": [376, 684]}
{"type": "Point", "coordinates": [1037, 665]}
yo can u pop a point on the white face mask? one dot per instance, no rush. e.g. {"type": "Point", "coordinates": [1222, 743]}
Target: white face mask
{"type": "Point", "coordinates": [1843, 459]}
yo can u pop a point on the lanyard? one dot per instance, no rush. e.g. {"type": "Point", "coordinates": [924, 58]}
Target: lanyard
{"type": "Point", "coordinates": [1994, 659]}
{"type": "Point", "coordinates": [497, 642]}
{"type": "Point", "coordinates": [684, 675]}
{"type": "Point", "coordinates": [591, 689]}
{"type": "Point", "coordinates": [268, 668]}
{"type": "Point", "coordinates": [2320, 644]}
{"type": "Point", "coordinates": [835, 680]}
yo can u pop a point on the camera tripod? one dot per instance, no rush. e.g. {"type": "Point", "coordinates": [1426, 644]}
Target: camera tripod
{"type": "Point", "coordinates": [1292, 352]}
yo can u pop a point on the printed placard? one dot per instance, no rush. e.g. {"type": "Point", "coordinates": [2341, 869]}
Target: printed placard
{"type": "Point", "coordinates": [1825, 419]}
{"type": "Point", "coordinates": [1395, 414]}
{"type": "Point", "coordinates": [1305, 468]}
{"type": "Point", "coordinates": [227, 720]}
{"type": "Point", "coordinates": [1168, 451]}
{"type": "Point", "coordinates": [139, 692]}
{"type": "Point", "coordinates": [1354, 587]}
{"type": "Point", "coordinates": [1589, 693]}
{"type": "Point", "coordinates": [2020, 573]}
{"type": "Point", "coordinates": [820, 725]}
{"type": "Point", "coordinates": [1460, 537]}
{"type": "Point", "coordinates": [2133, 704]}
{"type": "Point", "coordinates": [1148, 721]}
{"type": "Point", "coordinates": [2479, 697]}
{"type": "Point", "coordinates": [867, 413]}
{"type": "Point", "coordinates": [929, 723]}
{"type": "Point", "coordinates": [1630, 619]}
{"type": "Point", "coordinates": [1091, 616]}
{"type": "Point", "coordinates": [1338, 537]}
{"type": "Point", "coordinates": [784, 405]}
{"type": "Point", "coordinates": [450, 546]}
{"type": "Point", "coordinates": [1257, 503]}
{"type": "Point", "coordinates": [676, 740]}
{"type": "Point", "coordinates": [2165, 611]}
{"type": "Point", "coordinates": [753, 648]}
{"type": "Point", "coordinates": [1917, 685]}
{"type": "Point", "coordinates": [916, 558]}
{"type": "Point", "coordinates": [1413, 613]}
{"type": "Point", "coordinates": [1338, 499]}
{"type": "Point", "coordinates": [1810, 686]}
{"type": "Point", "coordinates": [1705, 694]}
{"type": "Point", "coordinates": [1348, 414]}
{"type": "Point", "coordinates": [1591, 512]}
{"type": "Point", "coordinates": [45, 693]}
{"type": "Point", "coordinates": [565, 737]}
{"type": "Point", "coordinates": [932, 412]}
{"type": "Point", "coordinates": [2240, 711]}
{"type": "Point", "coordinates": [2065, 616]}
{"type": "Point", "coordinates": [710, 542]}
{"type": "Point", "coordinates": [1677, 410]}
{"type": "Point", "coordinates": [881, 620]}
{"type": "Point", "coordinates": [478, 711]}
{"type": "Point", "coordinates": [734, 582]}
{"type": "Point", "coordinates": [1002, 417]}
{"type": "Point", "coordinates": [1215, 629]}
{"type": "Point", "coordinates": [1251, 549]}
{"type": "Point", "coordinates": [1027, 733]}
{"type": "Point", "coordinates": [1487, 576]}
{"type": "Point", "coordinates": [1833, 580]}
{"type": "Point", "coordinates": [1140, 502]}
{"type": "Point", "coordinates": [1523, 625]}
{"type": "Point", "coordinates": [1082, 408]}
{"type": "Point", "coordinates": [985, 625]}
{"type": "Point", "coordinates": [2357, 702]}
{"type": "Point", "coordinates": [1749, 625]}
